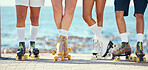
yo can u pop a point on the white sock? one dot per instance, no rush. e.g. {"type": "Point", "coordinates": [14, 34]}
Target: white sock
{"type": "Point", "coordinates": [59, 31]}
{"type": "Point", "coordinates": [124, 37]}
{"type": "Point", "coordinates": [21, 34]}
{"type": "Point", "coordinates": [96, 30]}
{"type": "Point", "coordinates": [140, 37]}
{"type": "Point", "coordinates": [33, 32]}
{"type": "Point", "coordinates": [64, 32]}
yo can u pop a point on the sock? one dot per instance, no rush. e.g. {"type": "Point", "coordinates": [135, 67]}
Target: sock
{"type": "Point", "coordinates": [64, 32]}
{"type": "Point", "coordinates": [140, 37]}
{"type": "Point", "coordinates": [124, 37]}
{"type": "Point", "coordinates": [21, 34]}
{"type": "Point", "coordinates": [59, 31]}
{"type": "Point", "coordinates": [33, 32]}
{"type": "Point", "coordinates": [96, 30]}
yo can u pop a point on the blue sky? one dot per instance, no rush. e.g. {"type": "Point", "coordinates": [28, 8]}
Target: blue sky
{"type": "Point", "coordinates": [48, 2]}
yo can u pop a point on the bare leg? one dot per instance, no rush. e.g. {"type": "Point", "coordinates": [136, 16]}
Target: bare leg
{"type": "Point", "coordinates": [34, 15]}
{"type": "Point", "coordinates": [58, 12]}
{"type": "Point", "coordinates": [140, 23]}
{"type": "Point", "coordinates": [68, 14]}
{"type": "Point", "coordinates": [100, 4]}
{"type": "Point", "coordinates": [120, 21]}
{"type": "Point", "coordinates": [87, 12]}
{"type": "Point", "coordinates": [21, 15]}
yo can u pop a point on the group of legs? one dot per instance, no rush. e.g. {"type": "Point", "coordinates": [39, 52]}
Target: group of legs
{"type": "Point", "coordinates": [63, 23]}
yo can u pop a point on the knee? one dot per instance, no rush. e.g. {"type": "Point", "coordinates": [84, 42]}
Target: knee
{"type": "Point", "coordinates": [34, 20]}
{"type": "Point", "coordinates": [57, 8]}
{"type": "Point", "coordinates": [21, 21]}
{"type": "Point", "coordinates": [86, 17]}
{"type": "Point", "coordinates": [70, 11]}
{"type": "Point", "coordinates": [119, 14]}
{"type": "Point", "coordinates": [139, 16]}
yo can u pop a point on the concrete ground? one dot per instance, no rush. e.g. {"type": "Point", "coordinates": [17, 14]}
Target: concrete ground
{"type": "Point", "coordinates": [78, 62]}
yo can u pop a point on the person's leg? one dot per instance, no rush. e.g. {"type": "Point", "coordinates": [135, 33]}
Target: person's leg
{"type": "Point", "coordinates": [87, 12]}
{"type": "Point", "coordinates": [121, 10]}
{"type": "Point", "coordinates": [70, 6]}
{"type": "Point", "coordinates": [100, 4]}
{"type": "Point", "coordinates": [34, 17]}
{"type": "Point", "coordinates": [140, 7]}
{"type": "Point", "coordinates": [58, 13]}
{"type": "Point", "coordinates": [21, 12]}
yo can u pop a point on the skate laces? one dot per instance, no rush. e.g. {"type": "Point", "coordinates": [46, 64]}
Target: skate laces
{"type": "Point", "coordinates": [21, 46]}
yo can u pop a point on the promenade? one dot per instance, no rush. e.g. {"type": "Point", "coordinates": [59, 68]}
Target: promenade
{"type": "Point", "coordinates": [78, 62]}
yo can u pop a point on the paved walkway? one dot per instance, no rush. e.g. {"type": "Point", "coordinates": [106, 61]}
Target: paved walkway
{"type": "Point", "coordinates": [78, 62]}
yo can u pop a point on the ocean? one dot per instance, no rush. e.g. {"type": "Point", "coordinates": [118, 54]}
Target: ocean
{"type": "Point", "coordinates": [78, 28]}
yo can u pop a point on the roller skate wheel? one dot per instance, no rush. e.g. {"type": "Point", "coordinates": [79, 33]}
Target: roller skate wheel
{"type": "Point", "coordinates": [134, 59]}
{"type": "Point", "coordinates": [53, 52]}
{"type": "Point", "coordinates": [69, 57]}
{"type": "Point", "coordinates": [26, 56]}
{"type": "Point", "coordinates": [130, 58]}
{"type": "Point", "coordinates": [117, 59]}
{"type": "Point", "coordinates": [97, 57]}
{"type": "Point", "coordinates": [55, 58]}
{"type": "Point", "coordinates": [17, 59]}
{"type": "Point", "coordinates": [33, 56]}
{"type": "Point", "coordinates": [137, 59]}
{"type": "Point", "coordinates": [70, 50]}
{"type": "Point", "coordinates": [22, 58]}
{"type": "Point", "coordinates": [38, 57]}
{"type": "Point", "coordinates": [144, 59]}
{"type": "Point", "coordinates": [92, 57]}
{"type": "Point", "coordinates": [62, 58]}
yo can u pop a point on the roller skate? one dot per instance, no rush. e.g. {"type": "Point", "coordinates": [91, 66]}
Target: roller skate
{"type": "Point", "coordinates": [101, 47]}
{"type": "Point", "coordinates": [33, 52]}
{"type": "Point", "coordinates": [66, 50]}
{"type": "Point", "coordinates": [139, 53]}
{"type": "Point", "coordinates": [123, 50]}
{"type": "Point", "coordinates": [59, 52]}
{"type": "Point", "coordinates": [21, 52]}
{"type": "Point", "coordinates": [96, 49]}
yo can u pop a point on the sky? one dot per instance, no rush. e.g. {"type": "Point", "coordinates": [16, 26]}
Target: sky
{"type": "Point", "coordinates": [48, 3]}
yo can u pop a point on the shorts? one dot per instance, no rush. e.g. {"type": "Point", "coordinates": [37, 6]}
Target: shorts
{"type": "Point", "coordinates": [123, 5]}
{"type": "Point", "coordinates": [32, 3]}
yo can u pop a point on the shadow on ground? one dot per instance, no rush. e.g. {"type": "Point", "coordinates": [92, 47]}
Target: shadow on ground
{"type": "Point", "coordinates": [81, 61]}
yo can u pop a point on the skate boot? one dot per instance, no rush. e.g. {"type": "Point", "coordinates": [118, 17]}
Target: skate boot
{"type": "Point", "coordinates": [123, 50]}
{"type": "Point", "coordinates": [66, 49]}
{"type": "Point", "coordinates": [96, 49]}
{"type": "Point", "coordinates": [105, 45]}
{"type": "Point", "coordinates": [139, 53]}
{"type": "Point", "coordinates": [33, 52]}
{"type": "Point", "coordinates": [21, 52]}
{"type": "Point", "coordinates": [60, 49]}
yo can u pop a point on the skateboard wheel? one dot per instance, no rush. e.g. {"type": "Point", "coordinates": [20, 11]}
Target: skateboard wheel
{"type": "Point", "coordinates": [144, 59]}
{"type": "Point", "coordinates": [137, 59]}
{"type": "Point", "coordinates": [53, 52]}
{"type": "Point", "coordinates": [17, 59]}
{"type": "Point", "coordinates": [22, 58]}
{"type": "Point", "coordinates": [134, 59]}
{"type": "Point", "coordinates": [69, 57]}
{"type": "Point", "coordinates": [70, 50]}
{"type": "Point", "coordinates": [62, 58]}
